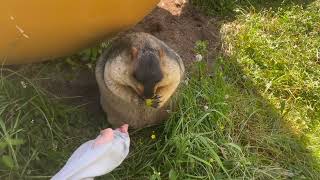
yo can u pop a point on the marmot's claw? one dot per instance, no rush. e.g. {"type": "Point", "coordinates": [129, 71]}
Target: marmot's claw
{"type": "Point", "coordinates": [156, 101]}
{"type": "Point", "coordinates": [155, 104]}
{"type": "Point", "coordinates": [157, 96]}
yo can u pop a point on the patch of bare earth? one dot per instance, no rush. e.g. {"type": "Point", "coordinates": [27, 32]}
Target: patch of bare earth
{"type": "Point", "coordinates": [179, 25]}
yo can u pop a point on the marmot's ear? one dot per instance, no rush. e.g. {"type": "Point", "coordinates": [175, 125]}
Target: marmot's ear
{"type": "Point", "coordinates": [134, 53]}
{"type": "Point", "coordinates": [161, 53]}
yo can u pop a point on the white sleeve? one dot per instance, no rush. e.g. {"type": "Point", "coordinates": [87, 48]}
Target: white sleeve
{"type": "Point", "coordinates": [88, 161]}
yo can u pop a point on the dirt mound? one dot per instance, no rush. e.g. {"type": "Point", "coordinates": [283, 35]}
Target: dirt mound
{"type": "Point", "coordinates": [179, 25]}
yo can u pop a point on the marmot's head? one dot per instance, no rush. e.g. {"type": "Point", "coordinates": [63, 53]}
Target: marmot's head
{"type": "Point", "coordinates": [147, 70]}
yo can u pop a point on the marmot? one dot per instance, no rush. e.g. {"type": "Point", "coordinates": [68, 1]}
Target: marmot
{"type": "Point", "coordinates": [136, 77]}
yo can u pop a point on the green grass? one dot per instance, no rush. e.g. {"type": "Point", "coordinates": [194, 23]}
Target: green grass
{"type": "Point", "coordinates": [37, 131]}
{"type": "Point", "coordinates": [257, 117]}
{"type": "Point", "coordinates": [279, 52]}
{"type": "Point", "coordinates": [230, 8]}
{"type": "Point", "coordinates": [219, 132]}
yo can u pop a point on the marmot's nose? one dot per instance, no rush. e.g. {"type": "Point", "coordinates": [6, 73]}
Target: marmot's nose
{"type": "Point", "coordinates": [148, 92]}
{"type": "Point", "coordinates": [148, 95]}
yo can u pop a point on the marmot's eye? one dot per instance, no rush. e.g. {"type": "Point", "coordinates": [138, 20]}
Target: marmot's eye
{"type": "Point", "coordinates": [134, 76]}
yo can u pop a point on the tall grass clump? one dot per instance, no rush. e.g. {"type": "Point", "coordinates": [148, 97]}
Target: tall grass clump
{"type": "Point", "coordinates": [37, 133]}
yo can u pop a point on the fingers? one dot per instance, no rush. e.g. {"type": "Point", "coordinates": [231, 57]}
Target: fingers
{"type": "Point", "coordinates": [124, 128]}
{"type": "Point", "coordinates": [105, 137]}
{"type": "Point", "coordinates": [106, 132]}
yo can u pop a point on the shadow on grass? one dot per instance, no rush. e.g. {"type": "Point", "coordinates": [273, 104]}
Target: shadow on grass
{"type": "Point", "coordinates": [48, 128]}
{"type": "Point", "coordinates": [279, 140]}
{"type": "Point", "coordinates": [268, 129]}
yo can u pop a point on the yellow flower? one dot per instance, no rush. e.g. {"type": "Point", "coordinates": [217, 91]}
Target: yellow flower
{"type": "Point", "coordinates": [149, 102]}
{"type": "Point", "coordinates": [153, 135]}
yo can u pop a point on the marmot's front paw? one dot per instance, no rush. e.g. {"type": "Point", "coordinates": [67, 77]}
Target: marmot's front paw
{"type": "Point", "coordinates": [154, 102]}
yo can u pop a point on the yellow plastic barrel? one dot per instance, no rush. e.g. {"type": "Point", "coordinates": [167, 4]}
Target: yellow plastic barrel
{"type": "Point", "coordinates": [37, 30]}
